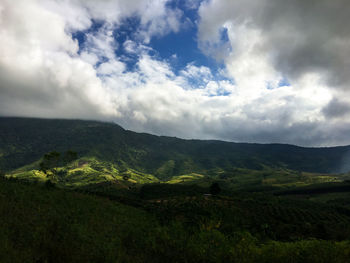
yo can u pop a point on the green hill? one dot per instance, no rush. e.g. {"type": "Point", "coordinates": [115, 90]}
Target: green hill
{"type": "Point", "coordinates": [23, 141]}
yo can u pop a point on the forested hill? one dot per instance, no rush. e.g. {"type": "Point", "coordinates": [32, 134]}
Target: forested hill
{"type": "Point", "coordinates": [25, 140]}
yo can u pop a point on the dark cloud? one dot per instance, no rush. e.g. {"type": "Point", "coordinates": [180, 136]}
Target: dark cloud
{"type": "Point", "coordinates": [336, 109]}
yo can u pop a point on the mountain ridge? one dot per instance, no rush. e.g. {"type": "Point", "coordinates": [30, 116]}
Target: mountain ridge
{"type": "Point", "coordinates": [26, 140]}
{"type": "Point", "coordinates": [167, 136]}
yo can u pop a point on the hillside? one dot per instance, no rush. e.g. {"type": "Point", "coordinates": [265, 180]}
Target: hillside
{"type": "Point", "coordinates": [23, 141]}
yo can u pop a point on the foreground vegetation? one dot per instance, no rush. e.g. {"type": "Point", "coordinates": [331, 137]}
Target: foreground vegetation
{"type": "Point", "coordinates": [41, 223]}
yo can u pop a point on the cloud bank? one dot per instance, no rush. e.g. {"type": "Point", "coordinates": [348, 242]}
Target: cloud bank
{"type": "Point", "coordinates": [284, 75]}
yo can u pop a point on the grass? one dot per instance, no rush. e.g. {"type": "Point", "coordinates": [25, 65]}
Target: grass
{"type": "Point", "coordinates": [85, 171]}
{"type": "Point", "coordinates": [193, 177]}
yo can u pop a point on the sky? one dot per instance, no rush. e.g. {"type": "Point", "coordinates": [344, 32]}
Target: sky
{"type": "Point", "coordinates": [266, 71]}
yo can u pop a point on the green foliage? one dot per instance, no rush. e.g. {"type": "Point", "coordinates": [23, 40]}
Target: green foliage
{"type": "Point", "coordinates": [186, 178]}
{"type": "Point", "coordinates": [45, 224]}
{"type": "Point", "coordinates": [166, 170]}
{"type": "Point", "coordinates": [262, 214]}
{"type": "Point", "coordinates": [161, 190]}
{"type": "Point", "coordinates": [50, 162]}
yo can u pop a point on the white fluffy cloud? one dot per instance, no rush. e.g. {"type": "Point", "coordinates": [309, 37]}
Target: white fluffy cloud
{"type": "Point", "coordinates": [270, 41]}
{"type": "Point", "coordinates": [45, 73]}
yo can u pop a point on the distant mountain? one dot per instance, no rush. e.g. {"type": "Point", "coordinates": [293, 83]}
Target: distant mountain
{"type": "Point", "coordinates": [24, 141]}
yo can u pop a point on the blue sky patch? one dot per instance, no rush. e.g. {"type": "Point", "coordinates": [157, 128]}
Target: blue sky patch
{"type": "Point", "coordinates": [178, 49]}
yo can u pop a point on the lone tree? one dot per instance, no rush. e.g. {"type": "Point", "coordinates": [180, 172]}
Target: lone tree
{"type": "Point", "coordinates": [215, 189]}
{"type": "Point", "coordinates": [50, 162]}
{"type": "Point", "coordinates": [54, 159]}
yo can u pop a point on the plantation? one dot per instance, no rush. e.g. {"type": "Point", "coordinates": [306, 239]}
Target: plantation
{"type": "Point", "coordinates": [45, 224]}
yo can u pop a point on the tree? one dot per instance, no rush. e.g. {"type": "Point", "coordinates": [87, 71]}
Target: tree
{"type": "Point", "coordinates": [215, 189]}
{"type": "Point", "coordinates": [50, 162]}
{"type": "Point", "coordinates": [54, 159]}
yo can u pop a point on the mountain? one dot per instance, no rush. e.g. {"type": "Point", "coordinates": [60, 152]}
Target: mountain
{"type": "Point", "coordinates": [23, 141]}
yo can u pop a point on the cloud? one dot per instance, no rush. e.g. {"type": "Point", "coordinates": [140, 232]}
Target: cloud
{"type": "Point", "coordinates": [298, 37]}
{"type": "Point", "coordinates": [130, 46]}
{"type": "Point", "coordinates": [192, 4]}
{"type": "Point", "coordinates": [192, 71]}
{"type": "Point", "coordinates": [101, 43]}
{"type": "Point", "coordinates": [46, 72]}
{"type": "Point", "coordinates": [42, 73]}
{"type": "Point", "coordinates": [157, 20]}
{"type": "Point", "coordinates": [337, 108]}
{"type": "Point", "coordinates": [305, 42]}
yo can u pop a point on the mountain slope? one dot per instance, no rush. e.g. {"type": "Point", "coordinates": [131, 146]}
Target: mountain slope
{"type": "Point", "coordinates": [25, 140]}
